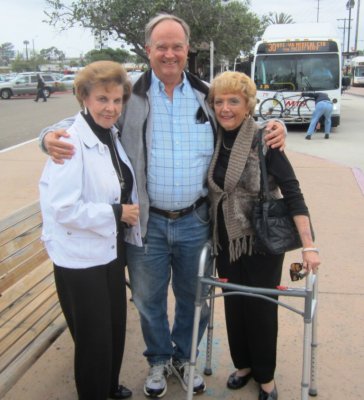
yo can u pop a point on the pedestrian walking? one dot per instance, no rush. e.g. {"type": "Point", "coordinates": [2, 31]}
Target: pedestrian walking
{"type": "Point", "coordinates": [40, 89]}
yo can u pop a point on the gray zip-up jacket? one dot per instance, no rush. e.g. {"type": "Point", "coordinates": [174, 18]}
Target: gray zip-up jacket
{"type": "Point", "coordinates": [135, 126]}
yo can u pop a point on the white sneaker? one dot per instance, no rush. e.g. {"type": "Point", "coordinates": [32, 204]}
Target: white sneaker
{"type": "Point", "coordinates": [155, 385]}
{"type": "Point", "coordinates": [181, 371]}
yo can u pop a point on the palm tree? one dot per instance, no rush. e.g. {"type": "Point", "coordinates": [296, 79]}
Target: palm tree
{"type": "Point", "coordinates": [282, 18]}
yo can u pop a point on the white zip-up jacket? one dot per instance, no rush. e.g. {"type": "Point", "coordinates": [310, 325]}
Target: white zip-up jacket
{"type": "Point", "coordinates": [79, 226]}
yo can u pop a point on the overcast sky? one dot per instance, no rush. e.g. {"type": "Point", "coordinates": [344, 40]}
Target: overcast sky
{"type": "Point", "coordinates": [22, 20]}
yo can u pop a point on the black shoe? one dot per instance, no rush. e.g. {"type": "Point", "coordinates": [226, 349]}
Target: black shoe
{"type": "Point", "coordinates": [327, 136]}
{"type": "Point", "coordinates": [308, 137]}
{"type": "Point", "coordinates": [273, 395]}
{"type": "Point", "coordinates": [121, 393]}
{"type": "Point", "coordinates": [237, 382]}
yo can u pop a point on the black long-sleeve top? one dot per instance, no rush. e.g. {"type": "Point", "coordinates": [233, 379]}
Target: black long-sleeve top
{"type": "Point", "coordinates": [106, 138]}
{"type": "Point", "coordinates": [278, 166]}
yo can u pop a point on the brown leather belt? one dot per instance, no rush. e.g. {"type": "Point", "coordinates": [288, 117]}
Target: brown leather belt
{"type": "Point", "coordinates": [179, 213]}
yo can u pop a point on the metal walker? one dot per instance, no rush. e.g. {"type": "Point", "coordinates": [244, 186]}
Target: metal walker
{"type": "Point", "coordinates": [207, 282]}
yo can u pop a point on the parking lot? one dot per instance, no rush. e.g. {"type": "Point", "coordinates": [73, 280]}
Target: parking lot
{"type": "Point", "coordinates": [21, 119]}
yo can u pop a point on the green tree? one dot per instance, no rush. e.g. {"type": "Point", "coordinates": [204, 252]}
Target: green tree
{"type": "Point", "coordinates": [52, 53]}
{"type": "Point", "coordinates": [7, 53]}
{"type": "Point", "coordinates": [232, 27]}
{"type": "Point", "coordinates": [281, 18]}
{"type": "Point", "coordinates": [21, 65]}
{"type": "Point", "coordinates": [239, 31]}
{"type": "Point", "coordinates": [119, 55]}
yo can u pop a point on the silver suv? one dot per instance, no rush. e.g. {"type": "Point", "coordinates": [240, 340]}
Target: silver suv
{"type": "Point", "coordinates": [26, 83]}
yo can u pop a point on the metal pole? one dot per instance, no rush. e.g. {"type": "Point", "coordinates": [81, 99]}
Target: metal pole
{"type": "Point", "coordinates": [344, 29]}
{"type": "Point", "coordinates": [357, 26]}
{"type": "Point", "coordinates": [348, 47]}
{"type": "Point", "coordinates": [349, 5]}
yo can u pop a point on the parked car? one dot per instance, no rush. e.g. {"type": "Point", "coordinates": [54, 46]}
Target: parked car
{"type": "Point", "coordinates": [66, 81]}
{"type": "Point", "coordinates": [134, 76]}
{"type": "Point", "coordinates": [3, 78]}
{"type": "Point", "coordinates": [57, 76]}
{"type": "Point", "coordinates": [26, 83]}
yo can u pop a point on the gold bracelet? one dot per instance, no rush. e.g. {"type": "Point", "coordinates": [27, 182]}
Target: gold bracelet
{"type": "Point", "coordinates": [305, 249]}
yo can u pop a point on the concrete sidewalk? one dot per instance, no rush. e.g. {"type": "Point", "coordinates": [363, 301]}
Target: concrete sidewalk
{"type": "Point", "coordinates": [337, 207]}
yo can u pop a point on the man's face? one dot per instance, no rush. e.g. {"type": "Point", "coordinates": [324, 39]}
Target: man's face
{"type": "Point", "coordinates": [168, 51]}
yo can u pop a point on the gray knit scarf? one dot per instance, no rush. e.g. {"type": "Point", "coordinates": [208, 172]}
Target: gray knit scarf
{"type": "Point", "coordinates": [240, 192]}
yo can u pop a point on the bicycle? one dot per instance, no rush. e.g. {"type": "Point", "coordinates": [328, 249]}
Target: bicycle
{"type": "Point", "coordinates": [294, 109]}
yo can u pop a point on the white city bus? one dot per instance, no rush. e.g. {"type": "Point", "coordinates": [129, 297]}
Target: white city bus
{"type": "Point", "coordinates": [357, 70]}
{"type": "Point", "coordinates": [296, 58]}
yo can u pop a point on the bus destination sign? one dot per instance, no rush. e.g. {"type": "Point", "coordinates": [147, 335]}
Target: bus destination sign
{"type": "Point", "coordinates": [308, 46]}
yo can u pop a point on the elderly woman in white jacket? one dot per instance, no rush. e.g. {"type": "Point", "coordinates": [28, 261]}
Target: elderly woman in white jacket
{"type": "Point", "coordinates": [90, 206]}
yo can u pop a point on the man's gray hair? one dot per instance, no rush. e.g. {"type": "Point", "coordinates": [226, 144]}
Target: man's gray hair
{"type": "Point", "coordinates": [165, 17]}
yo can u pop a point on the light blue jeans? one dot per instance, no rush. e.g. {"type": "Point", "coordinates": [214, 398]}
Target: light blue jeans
{"type": "Point", "coordinates": [322, 108]}
{"type": "Point", "coordinates": [171, 251]}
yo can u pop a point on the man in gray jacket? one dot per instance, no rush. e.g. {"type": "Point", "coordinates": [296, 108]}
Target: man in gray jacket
{"type": "Point", "coordinates": [167, 130]}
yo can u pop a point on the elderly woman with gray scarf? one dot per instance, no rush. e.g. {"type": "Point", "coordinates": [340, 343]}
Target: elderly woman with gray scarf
{"type": "Point", "coordinates": [234, 185]}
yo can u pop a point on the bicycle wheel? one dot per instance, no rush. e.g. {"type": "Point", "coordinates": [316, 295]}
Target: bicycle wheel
{"type": "Point", "coordinates": [306, 109]}
{"type": "Point", "coordinates": [271, 108]}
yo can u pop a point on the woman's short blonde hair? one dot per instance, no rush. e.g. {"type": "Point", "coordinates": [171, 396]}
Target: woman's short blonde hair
{"type": "Point", "coordinates": [234, 82]}
{"type": "Point", "coordinates": [101, 73]}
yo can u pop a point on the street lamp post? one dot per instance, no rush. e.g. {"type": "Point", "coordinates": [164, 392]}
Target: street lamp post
{"type": "Point", "coordinates": [349, 5]}
{"type": "Point", "coordinates": [357, 25]}
{"type": "Point", "coordinates": [26, 42]}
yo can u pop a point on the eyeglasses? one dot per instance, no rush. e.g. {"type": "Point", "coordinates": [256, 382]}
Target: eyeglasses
{"type": "Point", "coordinates": [295, 272]}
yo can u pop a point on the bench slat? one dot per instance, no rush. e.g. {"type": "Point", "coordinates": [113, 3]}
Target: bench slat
{"type": "Point", "coordinates": [27, 358]}
{"type": "Point", "coordinates": [27, 265]}
{"type": "Point", "coordinates": [16, 238]}
{"type": "Point", "coordinates": [14, 330]}
{"type": "Point", "coordinates": [28, 282]}
{"type": "Point", "coordinates": [20, 255]}
{"type": "Point", "coordinates": [29, 336]}
{"type": "Point", "coordinates": [30, 314]}
{"type": "Point", "coordinates": [19, 216]}
{"type": "Point", "coordinates": [23, 305]}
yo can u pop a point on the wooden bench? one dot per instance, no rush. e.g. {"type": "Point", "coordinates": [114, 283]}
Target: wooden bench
{"type": "Point", "coordinates": [30, 314]}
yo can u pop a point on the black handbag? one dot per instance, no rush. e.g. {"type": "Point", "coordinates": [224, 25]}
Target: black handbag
{"type": "Point", "coordinates": [275, 230]}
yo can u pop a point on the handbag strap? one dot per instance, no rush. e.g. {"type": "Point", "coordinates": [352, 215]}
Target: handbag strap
{"type": "Point", "coordinates": [264, 191]}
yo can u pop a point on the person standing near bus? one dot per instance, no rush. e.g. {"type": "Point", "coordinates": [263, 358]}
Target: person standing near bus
{"type": "Point", "coordinates": [323, 108]}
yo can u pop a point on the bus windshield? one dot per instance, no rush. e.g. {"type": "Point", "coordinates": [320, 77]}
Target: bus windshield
{"type": "Point", "coordinates": [297, 72]}
{"type": "Point", "coordinates": [359, 71]}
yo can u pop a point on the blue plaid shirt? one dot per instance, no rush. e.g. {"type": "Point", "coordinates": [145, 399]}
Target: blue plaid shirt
{"type": "Point", "coordinates": [181, 148]}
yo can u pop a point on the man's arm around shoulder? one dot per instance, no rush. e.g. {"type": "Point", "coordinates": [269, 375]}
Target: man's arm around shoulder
{"type": "Point", "coordinates": [50, 143]}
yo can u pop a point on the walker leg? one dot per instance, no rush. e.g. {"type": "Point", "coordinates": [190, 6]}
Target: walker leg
{"type": "Point", "coordinates": [193, 357]}
{"type": "Point", "coordinates": [206, 250]}
{"type": "Point", "coordinates": [306, 357]}
{"type": "Point", "coordinates": [314, 344]}
{"type": "Point", "coordinates": [210, 327]}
